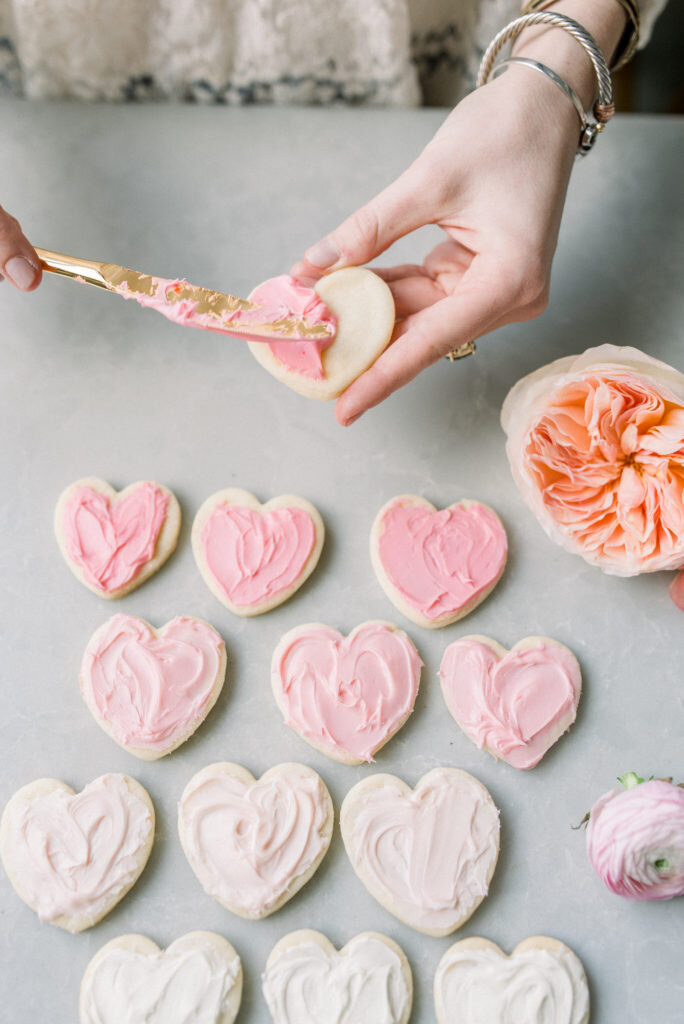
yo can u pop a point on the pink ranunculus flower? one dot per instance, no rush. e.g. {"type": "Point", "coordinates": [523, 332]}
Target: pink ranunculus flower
{"type": "Point", "coordinates": [635, 839]}
{"type": "Point", "coordinates": [596, 446]}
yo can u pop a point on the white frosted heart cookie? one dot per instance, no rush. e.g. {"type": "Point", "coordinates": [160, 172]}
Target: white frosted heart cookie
{"type": "Point", "coordinates": [364, 308]}
{"type": "Point", "coordinates": [307, 981]}
{"type": "Point", "coordinates": [150, 689]}
{"type": "Point", "coordinates": [115, 540]}
{"type": "Point", "coordinates": [428, 854]}
{"type": "Point", "coordinates": [254, 557]}
{"type": "Point", "coordinates": [72, 856]}
{"type": "Point", "coordinates": [437, 565]}
{"type": "Point", "coordinates": [254, 843]}
{"type": "Point", "coordinates": [515, 704]}
{"type": "Point", "coordinates": [131, 980]}
{"type": "Point", "coordinates": [541, 982]}
{"type": "Point", "coordinates": [346, 695]}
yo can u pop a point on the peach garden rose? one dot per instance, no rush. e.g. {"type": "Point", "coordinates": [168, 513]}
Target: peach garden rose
{"type": "Point", "coordinates": [596, 447]}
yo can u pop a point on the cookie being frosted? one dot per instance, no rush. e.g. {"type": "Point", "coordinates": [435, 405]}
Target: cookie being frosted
{"type": "Point", "coordinates": [307, 981]}
{"type": "Point", "coordinates": [437, 565]}
{"type": "Point", "coordinates": [346, 695]}
{"type": "Point", "coordinates": [114, 541]}
{"type": "Point", "coordinates": [426, 854]}
{"type": "Point", "coordinates": [541, 982]}
{"type": "Point", "coordinates": [253, 557]}
{"type": "Point", "coordinates": [72, 856]}
{"type": "Point", "coordinates": [254, 843]}
{"type": "Point", "coordinates": [130, 980]}
{"type": "Point", "coordinates": [150, 689]}
{"type": "Point", "coordinates": [515, 704]}
{"type": "Point", "coordinates": [363, 307]}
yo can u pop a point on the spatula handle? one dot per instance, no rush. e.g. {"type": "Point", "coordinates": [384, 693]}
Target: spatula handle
{"type": "Point", "coordinates": [87, 271]}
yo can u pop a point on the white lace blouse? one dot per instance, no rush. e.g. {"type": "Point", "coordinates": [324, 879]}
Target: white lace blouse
{"type": "Point", "coordinates": [377, 52]}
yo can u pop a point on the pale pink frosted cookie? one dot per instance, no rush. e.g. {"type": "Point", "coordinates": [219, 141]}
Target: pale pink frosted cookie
{"type": "Point", "coordinates": [514, 704]}
{"type": "Point", "coordinates": [363, 306]}
{"type": "Point", "coordinates": [72, 856]}
{"type": "Point", "coordinates": [542, 980]}
{"type": "Point", "coordinates": [151, 689]}
{"type": "Point", "coordinates": [254, 843]}
{"type": "Point", "coordinates": [113, 541]}
{"type": "Point", "coordinates": [346, 695]}
{"type": "Point", "coordinates": [307, 981]}
{"type": "Point", "coordinates": [131, 980]}
{"type": "Point", "coordinates": [436, 566]}
{"type": "Point", "coordinates": [426, 854]}
{"type": "Point", "coordinates": [253, 557]}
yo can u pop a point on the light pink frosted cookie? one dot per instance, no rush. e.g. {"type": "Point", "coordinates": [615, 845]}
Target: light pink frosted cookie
{"type": "Point", "coordinates": [253, 557]}
{"type": "Point", "coordinates": [426, 854]}
{"type": "Point", "coordinates": [346, 695]}
{"type": "Point", "coordinates": [436, 566]}
{"type": "Point", "coordinates": [254, 843]}
{"type": "Point", "coordinates": [72, 856]}
{"type": "Point", "coordinates": [151, 689]}
{"type": "Point", "coordinates": [307, 981]}
{"type": "Point", "coordinates": [131, 980]}
{"type": "Point", "coordinates": [363, 306]}
{"type": "Point", "coordinates": [514, 704]}
{"type": "Point", "coordinates": [542, 980]}
{"type": "Point", "coordinates": [113, 541]}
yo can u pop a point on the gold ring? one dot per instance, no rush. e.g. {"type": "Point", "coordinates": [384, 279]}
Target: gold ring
{"type": "Point", "coordinates": [466, 349]}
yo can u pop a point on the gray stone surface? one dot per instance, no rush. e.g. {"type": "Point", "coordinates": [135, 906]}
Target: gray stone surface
{"type": "Point", "coordinates": [93, 385]}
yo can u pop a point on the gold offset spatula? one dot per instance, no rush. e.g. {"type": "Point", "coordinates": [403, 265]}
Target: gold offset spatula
{"type": "Point", "coordinates": [207, 310]}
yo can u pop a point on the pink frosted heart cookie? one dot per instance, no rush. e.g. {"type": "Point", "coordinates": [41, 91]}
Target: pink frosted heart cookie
{"type": "Point", "coordinates": [72, 856]}
{"type": "Point", "coordinates": [426, 854]}
{"type": "Point", "coordinates": [113, 541]}
{"type": "Point", "coordinates": [253, 557]}
{"type": "Point", "coordinates": [150, 689]}
{"type": "Point", "coordinates": [346, 696]}
{"type": "Point", "coordinates": [437, 565]}
{"type": "Point", "coordinates": [254, 843]}
{"type": "Point", "coordinates": [363, 307]}
{"type": "Point", "coordinates": [514, 704]}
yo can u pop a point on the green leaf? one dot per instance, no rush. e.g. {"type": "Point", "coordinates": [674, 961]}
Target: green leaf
{"type": "Point", "coordinates": [630, 780]}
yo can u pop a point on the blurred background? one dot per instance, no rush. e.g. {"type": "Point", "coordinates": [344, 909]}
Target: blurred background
{"type": "Point", "coordinates": [654, 81]}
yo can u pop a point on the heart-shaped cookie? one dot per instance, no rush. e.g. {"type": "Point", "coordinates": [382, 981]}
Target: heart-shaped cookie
{"type": "Point", "coordinates": [346, 696]}
{"type": "Point", "coordinates": [253, 556]}
{"type": "Point", "coordinates": [515, 703]}
{"type": "Point", "coordinates": [437, 565]}
{"type": "Point", "coordinates": [197, 978]}
{"type": "Point", "coordinates": [542, 980]}
{"type": "Point", "coordinates": [428, 854]}
{"type": "Point", "coordinates": [113, 541]}
{"type": "Point", "coordinates": [306, 980]}
{"type": "Point", "coordinates": [364, 308]}
{"type": "Point", "coordinates": [72, 856]}
{"type": "Point", "coordinates": [254, 844]}
{"type": "Point", "coordinates": [150, 689]}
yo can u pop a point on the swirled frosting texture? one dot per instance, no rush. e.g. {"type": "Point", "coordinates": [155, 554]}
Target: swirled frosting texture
{"type": "Point", "coordinates": [74, 852]}
{"type": "Point", "coordinates": [151, 688]}
{"type": "Point", "coordinates": [441, 561]}
{"type": "Point", "coordinates": [635, 841]}
{"type": "Point", "coordinates": [253, 556]}
{"type": "Point", "coordinates": [284, 296]}
{"type": "Point", "coordinates": [363, 984]}
{"type": "Point", "coordinates": [427, 854]}
{"type": "Point", "coordinates": [534, 986]}
{"type": "Point", "coordinates": [179, 986]}
{"type": "Point", "coordinates": [111, 540]}
{"type": "Point", "coordinates": [596, 446]}
{"type": "Point", "coordinates": [516, 705]}
{"type": "Point", "coordinates": [249, 841]}
{"type": "Point", "coordinates": [346, 695]}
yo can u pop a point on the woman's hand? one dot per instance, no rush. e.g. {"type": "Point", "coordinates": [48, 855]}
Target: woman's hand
{"type": "Point", "coordinates": [18, 260]}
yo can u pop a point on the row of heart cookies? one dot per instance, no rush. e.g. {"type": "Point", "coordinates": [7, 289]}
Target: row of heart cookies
{"type": "Point", "coordinates": [306, 980]}
{"type": "Point", "coordinates": [425, 854]}
{"type": "Point", "coordinates": [347, 696]}
{"type": "Point", "coordinates": [435, 566]}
